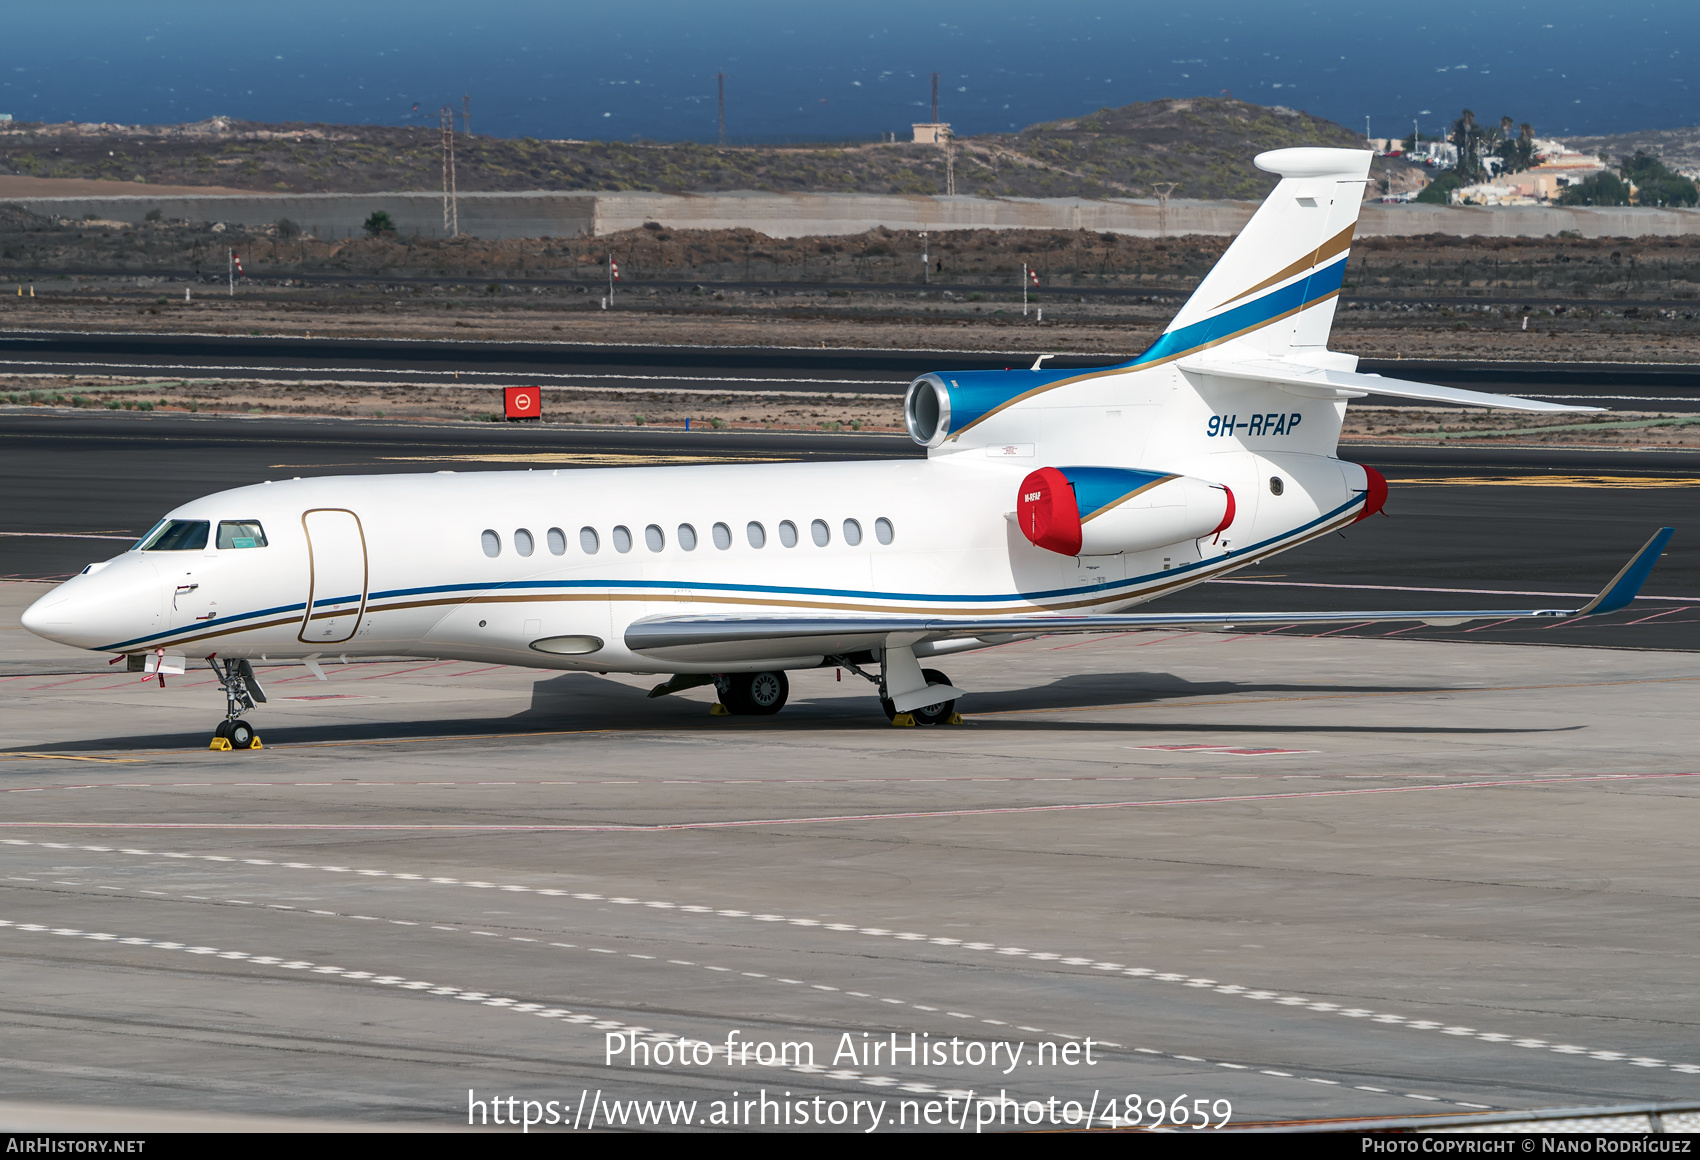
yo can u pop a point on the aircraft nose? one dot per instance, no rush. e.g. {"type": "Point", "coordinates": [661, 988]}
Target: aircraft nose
{"type": "Point", "coordinates": [51, 617]}
{"type": "Point", "coordinates": [115, 602]}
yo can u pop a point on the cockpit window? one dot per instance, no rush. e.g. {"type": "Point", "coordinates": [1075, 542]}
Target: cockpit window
{"type": "Point", "coordinates": [241, 534]}
{"type": "Point", "coordinates": [179, 536]}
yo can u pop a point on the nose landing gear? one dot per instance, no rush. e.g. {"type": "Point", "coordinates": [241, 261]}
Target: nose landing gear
{"type": "Point", "coordinates": [241, 691]}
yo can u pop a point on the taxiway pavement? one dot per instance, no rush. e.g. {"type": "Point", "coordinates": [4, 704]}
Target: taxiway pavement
{"type": "Point", "coordinates": [1313, 877]}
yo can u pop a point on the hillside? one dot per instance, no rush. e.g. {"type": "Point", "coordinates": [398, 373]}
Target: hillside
{"type": "Point", "coordinates": [1204, 145]}
{"type": "Point", "coordinates": [1677, 148]}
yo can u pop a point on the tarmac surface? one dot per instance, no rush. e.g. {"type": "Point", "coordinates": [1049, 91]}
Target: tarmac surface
{"type": "Point", "coordinates": [1315, 877]}
{"type": "Point", "coordinates": [800, 369]}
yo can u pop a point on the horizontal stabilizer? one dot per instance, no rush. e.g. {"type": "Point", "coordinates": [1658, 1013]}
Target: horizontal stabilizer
{"type": "Point", "coordinates": [1316, 383]}
{"type": "Point", "coordinates": [830, 635]}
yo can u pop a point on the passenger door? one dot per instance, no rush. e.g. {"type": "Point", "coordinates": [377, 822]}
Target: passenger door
{"type": "Point", "coordinates": [337, 573]}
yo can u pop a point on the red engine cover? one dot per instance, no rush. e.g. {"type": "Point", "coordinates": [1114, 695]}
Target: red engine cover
{"type": "Point", "coordinates": [1047, 512]}
{"type": "Point", "coordinates": [1376, 495]}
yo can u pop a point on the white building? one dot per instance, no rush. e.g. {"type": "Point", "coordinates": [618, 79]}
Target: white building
{"type": "Point", "coordinates": [931, 132]}
{"type": "Point", "coordinates": [1442, 153]}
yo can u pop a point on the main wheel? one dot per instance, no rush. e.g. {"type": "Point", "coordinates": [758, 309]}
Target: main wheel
{"type": "Point", "coordinates": [241, 734]}
{"type": "Point", "coordinates": [755, 694]}
{"type": "Point", "coordinates": [935, 714]}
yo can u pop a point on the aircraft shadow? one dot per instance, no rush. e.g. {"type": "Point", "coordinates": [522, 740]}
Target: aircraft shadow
{"type": "Point", "coordinates": [581, 702]}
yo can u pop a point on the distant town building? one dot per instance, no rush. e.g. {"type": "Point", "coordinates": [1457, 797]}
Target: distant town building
{"type": "Point", "coordinates": [5, 116]}
{"type": "Point", "coordinates": [1538, 186]}
{"type": "Point", "coordinates": [1441, 153]}
{"type": "Point", "coordinates": [931, 132]}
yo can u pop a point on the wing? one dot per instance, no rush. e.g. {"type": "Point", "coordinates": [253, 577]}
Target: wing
{"type": "Point", "coordinates": [754, 637]}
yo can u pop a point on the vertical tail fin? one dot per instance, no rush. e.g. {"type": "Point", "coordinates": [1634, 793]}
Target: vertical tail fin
{"type": "Point", "coordinates": [1275, 288]}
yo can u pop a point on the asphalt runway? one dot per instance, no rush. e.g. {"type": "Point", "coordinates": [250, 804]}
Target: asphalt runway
{"type": "Point", "coordinates": [744, 369]}
{"type": "Point", "coordinates": [1469, 527]}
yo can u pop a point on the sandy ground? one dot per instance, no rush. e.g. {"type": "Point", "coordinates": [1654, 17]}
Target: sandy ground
{"type": "Point", "coordinates": [787, 412]}
{"type": "Point", "coordinates": [862, 320]}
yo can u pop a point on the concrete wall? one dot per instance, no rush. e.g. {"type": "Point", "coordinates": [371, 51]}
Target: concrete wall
{"type": "Point", "coordinates": [784, 215]}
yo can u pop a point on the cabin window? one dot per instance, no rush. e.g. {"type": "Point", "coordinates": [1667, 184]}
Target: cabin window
{"type": "Point", "coordinates": [687, 536]}
{"type": "Point", "coordinates": [523, 543]}
{"type": "Point", "coordinates": [757, 534]}
{"type": "Point", "coordinates": [852, 533]}
{"type": "Point", "coordinates": [492, 543]}
{"type": "Point", "coordinates": [722, 537]}
{"type": "Point", "coordinates": [788, 533]}
{"type": "Point", "coordinates": [557, 542]}
{"type": "Point", "coordinates": [589, 541]}
{"type": "Point", "coordinates": [882, 530]}
{"type": "Point", "coordinates": [179, 536]}
{"type": "Point", "coordinates": [622, 537]}
{"type": "Point", "coordinates": [241, 534]}
{"type": "Point", "coordinates": [820, 533]}
{"type": "Point", "coordinates": [654, 538]}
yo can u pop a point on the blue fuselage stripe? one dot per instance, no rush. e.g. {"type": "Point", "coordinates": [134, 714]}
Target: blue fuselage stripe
{"type": "Point", "coordinates": [1107, 591]}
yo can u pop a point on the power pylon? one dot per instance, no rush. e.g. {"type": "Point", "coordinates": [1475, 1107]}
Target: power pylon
{"type": "Point", "coordinates": [451, 203]}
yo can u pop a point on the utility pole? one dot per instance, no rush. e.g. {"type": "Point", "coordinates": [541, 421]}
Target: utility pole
{"type": "Point", "coordinates": [230, 266]}
{"type": "Point", "coordinates": [1024, 277]}
{"type": "Point", "coordinates": [451, 203]}
{"type": "Point", "coordinates": [935, 98]}
{"type": "Point", "coordinates": [466, 113]}
{"type": "Point", "coordinates": [949, 162]}
{"type": "Point", "coordinates": [926, 262]}
{"type": "Point", "coordinates": [1366, 126]}
{"type": "Point", "coordinates": [1163, 189]}
{"type": "Point", "coordinates": [720, 79]}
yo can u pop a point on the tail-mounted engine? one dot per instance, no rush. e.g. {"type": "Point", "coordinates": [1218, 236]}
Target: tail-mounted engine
{"type": "Point", "coordinates": [1099, 511]}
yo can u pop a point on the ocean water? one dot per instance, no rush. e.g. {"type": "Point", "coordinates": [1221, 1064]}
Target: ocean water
{"type": "Point", "coordinates": [646, 69]}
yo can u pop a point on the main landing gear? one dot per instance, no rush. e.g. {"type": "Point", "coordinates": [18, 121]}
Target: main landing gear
{"type": "Point", "coordinates": [763, 694]}
{"type": "Point", "coordinates": [937, 714]}
{"type": "Point", "coordinates": [241, 691]}
{"type": "Point", "coordinates": [752, 694]}
{"type": "Point", "coordinates": [941, 713]}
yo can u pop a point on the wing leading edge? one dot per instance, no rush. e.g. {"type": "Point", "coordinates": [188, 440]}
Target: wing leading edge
{"type": "Point", "coordinates": [817, 635]}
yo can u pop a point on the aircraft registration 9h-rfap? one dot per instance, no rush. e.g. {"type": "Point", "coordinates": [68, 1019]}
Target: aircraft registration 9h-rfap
{"type": "Point", "coordinates": [1049, 502]}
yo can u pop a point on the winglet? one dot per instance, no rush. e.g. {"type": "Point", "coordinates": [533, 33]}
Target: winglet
{"type": "Point", "coordinates": [1626, 585]}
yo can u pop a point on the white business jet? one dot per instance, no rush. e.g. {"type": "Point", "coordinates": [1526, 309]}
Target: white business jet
{"type": "Point", "coordinates": [1049, 502]}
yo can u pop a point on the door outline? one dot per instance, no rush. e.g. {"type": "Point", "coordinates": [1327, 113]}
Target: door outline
{"type": "Point", "coordinates": [313, 579]}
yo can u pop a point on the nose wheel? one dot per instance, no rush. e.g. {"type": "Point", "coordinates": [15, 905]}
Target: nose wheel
{"type": "Point", "coordinates": [241, 691]}
{"type": "Point", "coordinates": [237, 734]}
